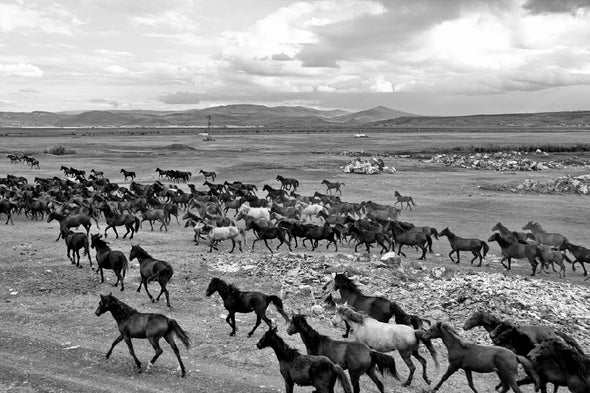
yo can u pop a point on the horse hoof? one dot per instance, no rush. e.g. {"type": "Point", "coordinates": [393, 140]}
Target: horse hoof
{"type": "Point", "coordinates": [232, 334]}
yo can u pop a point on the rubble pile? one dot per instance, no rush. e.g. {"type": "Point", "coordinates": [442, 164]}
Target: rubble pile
{"type": "Point", "coordinates": [559, 185]}
{"type": "Point", "coordinates": [437, 294]}
{"type": "Point", "coordinates": [500, 161]}
{"type": "Point", "coordinates": [367, 166]}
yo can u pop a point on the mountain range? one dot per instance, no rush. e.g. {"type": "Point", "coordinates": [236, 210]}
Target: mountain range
{"type": "Point", "coordinates": [221, 116]}
{"type": "Point", "coordinates": [288, 117]}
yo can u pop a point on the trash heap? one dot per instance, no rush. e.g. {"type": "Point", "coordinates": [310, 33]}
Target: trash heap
{"type": "Point", "coordinates": [437, 294]}
{"type": "Point", "coordinates": [559, 185]}
{"type": "Point", "coordinates": [500, 161]}
{"type": "Point", "coordinates": [367, 166]}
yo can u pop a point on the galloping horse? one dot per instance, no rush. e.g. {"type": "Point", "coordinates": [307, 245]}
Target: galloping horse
{"type": "Point", "coordinates": [113, 219]}
{"type": "Point", "coordinates": [288, 184]}
{"type": "Point", "coordinates": [517, 250]}
{"type": "Point", "coordinates": [218, 234]}
{"type": "Point", "coordinates": [134, 324]}
{"type": "Point", "coordinates": [207, 174]}
{"type": "Point", "coordinates": [152, 269]}
{"type": "Point", "coordinates": [549, 239]}
{"type": "Point", "coordinates": [460, 244]}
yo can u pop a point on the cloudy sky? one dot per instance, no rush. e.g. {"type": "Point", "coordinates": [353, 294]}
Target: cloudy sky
{"type": "Point", "coordinates": [430, 57]}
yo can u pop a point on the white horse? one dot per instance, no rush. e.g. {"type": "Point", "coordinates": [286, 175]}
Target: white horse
{"type": "Point", "coordinates": [386, 337]}
{"type": "Point", "coordinates": [218, 234]}
{"type": "Point", "coordinates": [256, 212]}
{"type": "Point", "coordinates": [310, 210]}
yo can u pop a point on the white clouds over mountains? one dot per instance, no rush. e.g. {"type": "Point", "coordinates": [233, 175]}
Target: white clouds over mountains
{"type": "Point", "coordinates": [408, 54]}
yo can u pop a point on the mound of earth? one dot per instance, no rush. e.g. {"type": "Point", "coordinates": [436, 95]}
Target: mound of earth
{"type": "Point", "coordinates": [177, 147]}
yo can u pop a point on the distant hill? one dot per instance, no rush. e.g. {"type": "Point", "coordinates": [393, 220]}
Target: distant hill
{"type": "Point", "coordinates": [578, 119]}
{"type": "Point", "coordinates": [370, 115]}
{"type": "Point", "coordinates": [222, 116]}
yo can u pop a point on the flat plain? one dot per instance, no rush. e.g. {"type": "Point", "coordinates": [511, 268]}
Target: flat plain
{"type": "Point", "coordinates": [53, 342]}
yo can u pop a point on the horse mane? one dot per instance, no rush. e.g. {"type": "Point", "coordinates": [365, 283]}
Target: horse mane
{"type": "Point", "coordinates": [285, 350]}
{"type": "Point", "coordinates": [313, 335]}
{"type": "Point", "coordinates": [123, 307]}
{"type": "Point", "coordinates": [574, 360]}
{"type": "Point", "coordinates": [347, 283]}
{"type": "Point", "coordinates": [350, 314]}
{"type": "Point", "coordinates": [101, 242]}
{"type": "Point", "coordinates": [142, 251]}
{"type": "Point", "coordinates": [226, 287]}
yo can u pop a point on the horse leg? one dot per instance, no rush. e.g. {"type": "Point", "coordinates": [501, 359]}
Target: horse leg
{"type": "Point", "coordinates": [502, 262]}
{"type": "Point", "coordinates": [163, 290]}
{"type": "Point", "coordinates": [156, 345]}
{"type": "Point", "coordinates": [231, 320]}
{"type": "Point", "coordinates": [422, 361]}
{"type": "Point", "coordinates": [116, 233]}
{"type": "Point", "coordinates": [373, 375]}
{"type": "Point", "coordinates": [406, 357]}
{"type": "Point", "coordinates": [399, 250]}
{"type": "Point", "coordinates": [132, 352]}
{"type": "Point", "coordinates": [170, 340]}
{"type": "Point", "coordinates": [266, 243]}
{"type": "Point", "coordinates": [77, 255]}
{"type": "Point", "coordinates": [128, 228]}
{"type": "Point", "coordinates": [233, 245]}
{"type": "Point", "coordinates": [354, 381]}
{"type": "Point", "coordinates": [345, 335]}
{"type": "Point", "coordinates": [451, 255]}
{"type": "Point", "coordinates": [119, 278]}
{"type": "Point", "coordinates": [101, 274]}
{"type": "Point", "coordinates": [258, 319]}
{"type": "Point", "coordinates": [469, 377]}
{"type": "Point", "coordinates": [117, 341]}
{"type": "Point", "coordinates": [253, 243]}
{"type": "Point", "coordinates": [450, 371]}
{"type": "Point", "coordinates": [424, 249]}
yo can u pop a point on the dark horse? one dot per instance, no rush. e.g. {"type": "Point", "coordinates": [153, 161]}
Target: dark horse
{"type": "Point", "coordinates": [561, 365]}
{"type": "Point", "coordinates": [581, 254]}
{"type": "Point", "coordinates": [358, 358]}
{"type": "Point", "coordinates": [517, 250]}
{"type": "Point", "coordinates": [73, 221]}
{"type": "Point", "coordinates": [74, 242]}
{"type": "Point", "coordinates": [402, 198]}
{"type": "Point", "coordinates": [267, 233]}
{"type": "Point", "coordinates": [376, 307]}
{"type": "Point", "coordinates": [304, 370]}
{"type": "Point", "coordinates": [409, 238]}
{"type": "Point", "coordinates": [109, 259]}
{"type": "Point", "coordinates": [479, 358]}
{"type": "Point", "coordinates": [535, 333]}
{"type": "Point", "coordinates": [127, 174]}
{"type": "Point", "coordinates": [134, 324]}
{"type": "Point", "coordinates": [461, 244]}
{"type": "Point", "coordinates": [235, 301]}
{"type": "Point", "coordinates": [288, 184]}
{"type": "Point", "coordinates": [114, 220]}
{"type": "Point", "coordinates": [152, 269]}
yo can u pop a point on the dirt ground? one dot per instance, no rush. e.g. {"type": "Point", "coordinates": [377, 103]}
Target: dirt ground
{"type": "Point", "coordinates": [52, 341]}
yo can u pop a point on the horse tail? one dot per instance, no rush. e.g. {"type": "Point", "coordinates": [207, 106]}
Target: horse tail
{"type": "Point", "coordinates": [428, 344]}
{"type": "Point", "coordinates": [181, 334]}
{"type": "Point", "coordinates": [86, 246]}
{"type": "Point", "coordinates": [279, 305]}
{"type": "Point", "coordinates": [124, 264]}
{"type": "Point", "coordinates": [529, 369]}
{"type": "Point", "coordinates": [343, 379]}
{"type": "Point", "coordinates": [485, 247]}
{"type": "Point", "coordinates": [384, 363]}
{"type": "Point", "coordinates": [571, 341]}
{"type": "Point", "coordinates": [137, 222]}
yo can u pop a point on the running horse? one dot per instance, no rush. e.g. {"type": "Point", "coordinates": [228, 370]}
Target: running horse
{"type": "Point", "coordinates": [127, 174]}
{"type": "Point", "coordinates": [66, 222]}
{"type": "Point", "coordinates": [401, 199]}
{"type": "Point", "coordinates": [288, 184]}
{"type": "Point", "coordinates": [335, 186]}
{"type": "Point", "coordinates": [549, 239]}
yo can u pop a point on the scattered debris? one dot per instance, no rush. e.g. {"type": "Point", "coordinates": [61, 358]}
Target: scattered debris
{"type": "Point", "coordinates": [369, 166]}
{"type": "Point", "coordinates": [503, 161]}
{"type": "Point", "coordinates": [559, 185]}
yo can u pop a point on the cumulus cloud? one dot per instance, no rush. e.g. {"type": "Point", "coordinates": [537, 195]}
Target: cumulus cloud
{"type": "Point", "coordinates": [180, 98]}
{"type": "Point", "coordinates": [113, 103]}
{"type": "Point", "coordinates": [24, 70]}
{"type": "Point", "coordinates": [50, 18]}
{"type": "Point", "coordinates": [280, 57]}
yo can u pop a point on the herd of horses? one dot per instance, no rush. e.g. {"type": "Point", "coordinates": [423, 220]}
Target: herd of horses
{"type": "Point", "coordinates": [547, 355]}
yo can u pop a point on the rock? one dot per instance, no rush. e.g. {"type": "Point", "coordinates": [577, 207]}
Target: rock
{"type": "Point", "coordinates": [317, 309]}
{"type": "Point", "coordinates": [392, 260]}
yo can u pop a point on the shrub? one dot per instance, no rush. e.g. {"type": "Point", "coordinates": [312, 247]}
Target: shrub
{"type": "Point", "coordinates": [59, 150]}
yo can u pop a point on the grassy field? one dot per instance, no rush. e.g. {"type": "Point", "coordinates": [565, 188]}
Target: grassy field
{"type": "Point", "coordinates": [53, 308]}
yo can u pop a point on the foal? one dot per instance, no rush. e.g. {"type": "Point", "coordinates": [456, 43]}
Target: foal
{"type": "Point", "coordinates": [235, 301]}
{"type": "Point", "coordinates": [74, 242]}
{"type": "Point", "coordinates": [304, 370]}
{"type": "Point", "coordinates": [133, 324]}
